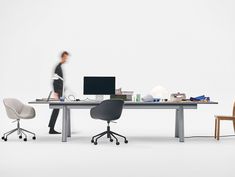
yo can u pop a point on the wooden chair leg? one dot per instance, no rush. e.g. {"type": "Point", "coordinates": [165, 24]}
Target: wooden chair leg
{"type": "Point", "coordinates": [218, 129]}
{"type": "Point", "coordinates": [234, 125]}
{"type": "Point", "coordinates": [215, 128]}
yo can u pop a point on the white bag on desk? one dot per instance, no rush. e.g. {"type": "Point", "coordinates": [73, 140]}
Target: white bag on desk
{"type": "Point", "coordinates": [148, 98]}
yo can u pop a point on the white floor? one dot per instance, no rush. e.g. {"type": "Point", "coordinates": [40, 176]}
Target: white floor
{"type": "Point", "coordinates": [143, 156]}
{"type": "Point", "coordinates": [152, 151]}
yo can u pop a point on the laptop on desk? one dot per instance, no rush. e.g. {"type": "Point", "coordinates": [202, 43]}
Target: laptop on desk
{"type": "Point", "coordinates": [48, 98]}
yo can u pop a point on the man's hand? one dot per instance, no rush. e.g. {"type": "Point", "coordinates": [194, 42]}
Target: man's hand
{"type": "Point", "coordinates": [56, 96]}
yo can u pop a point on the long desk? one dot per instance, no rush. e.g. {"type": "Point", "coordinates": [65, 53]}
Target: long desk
{"type": "Point", "coordinates": [178, 106]}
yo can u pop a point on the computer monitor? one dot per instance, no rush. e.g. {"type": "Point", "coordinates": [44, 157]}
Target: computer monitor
{"type": "Point", "coordinates": [99, 86]}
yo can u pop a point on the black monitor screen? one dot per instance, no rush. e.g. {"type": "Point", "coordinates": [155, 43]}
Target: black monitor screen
{"type": "Point", "coordinates": [99, 86]}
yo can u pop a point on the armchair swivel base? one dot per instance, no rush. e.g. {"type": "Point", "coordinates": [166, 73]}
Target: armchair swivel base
{"type": "Point", "coordinates": [20, 131]}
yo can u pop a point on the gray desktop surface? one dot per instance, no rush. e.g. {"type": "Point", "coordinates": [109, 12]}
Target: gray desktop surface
{"type": "Point", "coordinates": [126, 103]}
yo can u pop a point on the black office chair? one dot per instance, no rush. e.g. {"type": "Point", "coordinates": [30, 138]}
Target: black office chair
{"type": "Point", "coordinates": [108, 110]}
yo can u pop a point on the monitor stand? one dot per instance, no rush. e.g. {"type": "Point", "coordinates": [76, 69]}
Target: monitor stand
{"type": "Point", "coordinates": [99, 97]}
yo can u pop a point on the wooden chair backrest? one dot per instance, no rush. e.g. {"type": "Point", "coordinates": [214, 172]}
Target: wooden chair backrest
{"type": "Point", "coordinates": [234, 109]}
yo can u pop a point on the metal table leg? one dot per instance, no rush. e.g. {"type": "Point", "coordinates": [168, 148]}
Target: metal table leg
{"type": "Point", "coordinates": [181, 123]}
{"type": "Point", "coordinates": [64, 125]}
{"type": "Point", "coordinates": [177, 123]}
{"type": "Point", "coordinates": [68, 123]}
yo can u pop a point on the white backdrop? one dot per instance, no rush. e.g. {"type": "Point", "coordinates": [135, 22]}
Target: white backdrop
{"type": "Point", "coordinates": [185, 46]}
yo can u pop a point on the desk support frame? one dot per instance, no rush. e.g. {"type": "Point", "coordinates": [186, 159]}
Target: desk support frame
{"type": "Point", "coordinates": [64, 124]}
{"type": "Point", "coordinates": [69, 123]}
{"type": "Point", "coordinates": [181, 123]}
{"type": "Point", "coordinates": [179, 116]}
{"type": "Point", "coordinates": [177, 123]}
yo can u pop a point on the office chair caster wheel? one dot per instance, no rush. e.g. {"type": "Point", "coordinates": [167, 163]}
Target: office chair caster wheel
{"type": "Point", "coordinates": [92, 141]}
{"type": "Point", "coordinates": [111, 140]}
{"type": "Point", "coordinates": [117, 143]}
{"type": "Point", "coordinates": [34, 138]}
{"type": "Point", "coordinates": [95, 143]}
{"type": "Point", "coordinates": [3, 138]}
{"type": "Point", "coordinates": [126, 141]}
{"type": "Point", "coordinates": [20, 137]}
{"type": "Point", "coordinates": [25, 139]}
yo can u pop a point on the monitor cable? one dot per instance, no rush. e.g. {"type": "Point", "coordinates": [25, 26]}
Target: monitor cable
{"type": "Point", "coordinates": [204, 136]}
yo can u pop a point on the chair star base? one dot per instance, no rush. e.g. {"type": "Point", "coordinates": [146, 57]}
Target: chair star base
{"type": "Point", "coordinates": [20, 131]}
{"type": "Point", "coordinates": [110, 135]}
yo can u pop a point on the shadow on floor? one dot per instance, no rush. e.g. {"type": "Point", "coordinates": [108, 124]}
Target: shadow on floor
{"type": "Point", "coordinates": [87, 139]}
{"type": "Point", "coordinates": [132, 139]}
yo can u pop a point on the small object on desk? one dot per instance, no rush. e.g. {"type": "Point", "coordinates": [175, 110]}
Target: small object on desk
{"type": "Point", "coordinates": [177, 97]}
{"type": "Point", "coordinates": [62, 98]}
{"type": "Point", "coordinates": [72, 98]}
{"type": "Point", "coordinates": [138, 97]}
{"type": "Point", "coordinates": [124, 95]}
{"type": "Point", "coordinates": [149, 98]}
{"type": "Point", "coordinates": [133, 98]}
{"type": "Point", "coordinates": [186, 100]}
{"type": "Point", "coordinates": [200, 98]}
{"type": "Point", "coordinates": [118, 91]}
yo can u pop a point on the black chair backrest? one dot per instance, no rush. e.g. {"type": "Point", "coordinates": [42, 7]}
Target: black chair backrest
{"type": "Point", "coordinates": [108, 110]}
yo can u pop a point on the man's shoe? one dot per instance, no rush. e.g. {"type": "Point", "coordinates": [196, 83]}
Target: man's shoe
{"type": "Point", "coordinates": [52, 131]}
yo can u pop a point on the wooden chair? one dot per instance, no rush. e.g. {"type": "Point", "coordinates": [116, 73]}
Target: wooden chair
{"type": "Point", "coordinates": [218, 118]}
